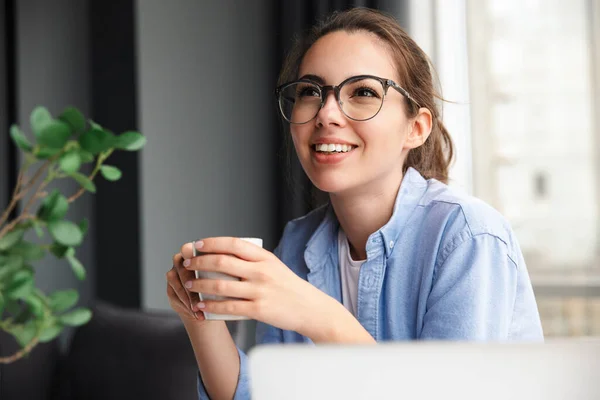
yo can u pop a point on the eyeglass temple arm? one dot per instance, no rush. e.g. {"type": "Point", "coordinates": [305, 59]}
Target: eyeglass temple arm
{"type": "Point", "coordinates": [403, 92]}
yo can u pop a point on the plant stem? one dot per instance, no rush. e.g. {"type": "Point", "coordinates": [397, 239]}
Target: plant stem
{"type": "Point", "coordinates": [21, 353]}
{"type": "Point", "coordinates": [32, 181]}
{"type": "Point", "coordinates": [101, 158]}
{"type": "Point", "coordinates": [25, 350]}
{"type": "Point", "coordinates": [38, 194]}
{"type": "Point", "coordinates": [15, 198]}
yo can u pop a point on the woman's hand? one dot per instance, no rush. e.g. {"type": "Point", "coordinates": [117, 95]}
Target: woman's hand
{"type": "Point", "coordinates": [180, 299]}
{"type": "Point", "coordinates": [268, 291]}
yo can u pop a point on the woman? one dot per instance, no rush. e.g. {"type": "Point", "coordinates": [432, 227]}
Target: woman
{"type": "Point", "coordinates": [396, 254]}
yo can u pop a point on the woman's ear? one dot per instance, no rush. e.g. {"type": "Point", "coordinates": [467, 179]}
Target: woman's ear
{"type": "Point", "coordinates": [420, 128]}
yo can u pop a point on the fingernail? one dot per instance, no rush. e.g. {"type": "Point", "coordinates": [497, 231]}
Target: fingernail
{"type": "Point", "coordinates": [186, 263]}
{"type": "Point", "coordinates": [188, 284]}
{"type": "Point", "coordinates": [200, 305]}
{"type": "Point", "coordinates": [199, 244]}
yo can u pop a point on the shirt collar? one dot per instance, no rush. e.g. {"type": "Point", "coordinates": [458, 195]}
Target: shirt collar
{"type": "Point", "coordinates": [324, 239]}
{"type": "Point", "coordinates": [409, 195]}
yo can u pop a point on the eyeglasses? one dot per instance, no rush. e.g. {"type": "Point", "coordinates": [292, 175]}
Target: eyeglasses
{"type": "Point", "coordinates": [359, 97]}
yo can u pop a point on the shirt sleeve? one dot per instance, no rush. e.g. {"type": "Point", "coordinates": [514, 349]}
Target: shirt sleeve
{"type": "Point", "coordinates": [242, 391]}
{"type": "Point", "coordinates": [473, 292]}
{"type": "Point", "coordinates": [264, 334]}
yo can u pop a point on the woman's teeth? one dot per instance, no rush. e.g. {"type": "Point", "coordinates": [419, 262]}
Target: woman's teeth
{"type": "Point", "coordinates": [330, 148]}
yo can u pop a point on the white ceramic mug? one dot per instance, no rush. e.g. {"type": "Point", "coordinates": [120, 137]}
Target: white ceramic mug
{"type": "Point", "coordinates": [221, 276]}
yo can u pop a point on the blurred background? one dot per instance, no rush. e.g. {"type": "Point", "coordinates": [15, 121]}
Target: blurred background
{"type": "Point", "coordinates": [197, 78]}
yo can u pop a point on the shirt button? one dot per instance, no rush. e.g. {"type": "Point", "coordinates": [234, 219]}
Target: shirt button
{"type": "Point", "coordinates": [391, 244]}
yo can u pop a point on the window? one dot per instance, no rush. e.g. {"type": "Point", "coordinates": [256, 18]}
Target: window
{"type": "Point", "coordinates": [526, 78]}
{"type": "Point", "coordinates": [533, 87]}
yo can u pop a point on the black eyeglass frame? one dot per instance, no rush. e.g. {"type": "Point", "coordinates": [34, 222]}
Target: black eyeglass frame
{"type": "Point", "coordinates": [324, 90]}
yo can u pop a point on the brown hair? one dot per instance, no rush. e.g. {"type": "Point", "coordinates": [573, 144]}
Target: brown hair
{"type": "Point", "coordinates": [431, 159]}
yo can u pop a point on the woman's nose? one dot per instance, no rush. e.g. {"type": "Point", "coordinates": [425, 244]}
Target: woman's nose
{"type": "Point", "coordinates": [330, 113]}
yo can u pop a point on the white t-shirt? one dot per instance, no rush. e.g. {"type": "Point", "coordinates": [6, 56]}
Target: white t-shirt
{"type": "Point", "coordinates": [349, 272]}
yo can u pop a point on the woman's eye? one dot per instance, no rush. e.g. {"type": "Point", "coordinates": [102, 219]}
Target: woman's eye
{"type": "Point", "coordinates": [366, 92]}
{"type": "Point", "coordinates": [308, 92]}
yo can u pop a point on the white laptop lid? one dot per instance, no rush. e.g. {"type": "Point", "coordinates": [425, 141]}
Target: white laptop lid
{"type": "Point", "coordinates": [428, 370]}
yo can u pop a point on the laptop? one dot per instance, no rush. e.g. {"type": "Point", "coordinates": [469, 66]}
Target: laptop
{"type": "Point", "coordinates": [556, 370]}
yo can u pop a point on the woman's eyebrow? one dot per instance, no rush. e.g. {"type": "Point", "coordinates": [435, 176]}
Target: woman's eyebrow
{"type": "Point", "coordinates": [314, 78]}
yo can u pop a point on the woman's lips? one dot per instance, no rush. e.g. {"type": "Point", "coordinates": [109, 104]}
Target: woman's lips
{"type": "Point", "coordinates": [330, 158]}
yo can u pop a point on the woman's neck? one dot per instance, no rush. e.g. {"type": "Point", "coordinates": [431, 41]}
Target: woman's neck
{"type": "Point", "coordinates": [361, 214]}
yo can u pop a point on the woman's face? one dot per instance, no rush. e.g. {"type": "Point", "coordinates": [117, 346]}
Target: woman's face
{"type": "Point", "coordinates": [379, 145]}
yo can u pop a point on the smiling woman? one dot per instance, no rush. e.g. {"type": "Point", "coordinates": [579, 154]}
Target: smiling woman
{"type": "Point", "coordinates": [395, 254]}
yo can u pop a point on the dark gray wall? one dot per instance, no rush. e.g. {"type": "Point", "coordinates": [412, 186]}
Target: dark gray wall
{"type": "Point", "coordinates": [53, 70]}
{"type": "Point", "coordinates": [205, 86]}
{"type": "Point", "coordinates": [4, 167]}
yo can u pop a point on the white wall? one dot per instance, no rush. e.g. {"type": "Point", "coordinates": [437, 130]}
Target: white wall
{"type": "Point", "coordinates": [205, 103]}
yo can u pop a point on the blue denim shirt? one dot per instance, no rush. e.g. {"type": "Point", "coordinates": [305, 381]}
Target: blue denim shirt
{"type": "Point", "coordinates": [446, 266]}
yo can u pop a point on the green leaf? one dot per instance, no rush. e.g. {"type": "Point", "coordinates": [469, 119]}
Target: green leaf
{"type": "Point", "coordinates": [35, 304]}
{"type": "Point", "coordinates": [11, 238]}
{"type": "Point", "coordinates": [74, 118]}
{"type": "Point", "coordinates": [77, 267]}
{"type": "Point", "coordinates": [48, 205]}
{"type": "Point", "coordinates": [96, 141]}
{"type": "Point", "coordinates": [29, 251]}
{"type": "Point", "coordinates": [21, 313]}
{"type": "Point", "coordinates": [9, 265]}
{"type": "Point", "coordinates": [95, 125]}
{"type": "Point", "coordinates": [39, 231]}
{"type": "Point", "coordinates": [90, 142]}
{"type": "Point", "coordinates": [40, 118]}
{"type": "Point", "coordinates": [65, 232]}
{"type": "Point", "coordinates": [85, 156]}
{"type": "Point", "coordinates": [76, 317]}
{"type": "Point", "coordinates": [54, 207]}
{"type": "Point", "coordinates": [51, 331]}
{"type": "Point", "coordinates": [131, 141]}
{"type": "Point", "coordinates": [84, 181]}
{"type": "Point", "coordinates": [20, 139]}
{"type": "Point", "coordinates": [1, 304]}
{"type": "Point", "coordinates": [70, 162]}
{"type": "Point", "coordinates": [83, 225]}
{"type": "Point", "coordinates": [12, 306]}
{"type": "Point", "coordinates": [63, 300]}
{"type": "Point", "coordinates": [20, 286]}
{"type": "Point", "coordinates": [110, 173]}
{"type": "Point", "coordinates": [44, 153]}
{"type": "Point", "coordinates": [24, 333]}
{"type": "Point", "coordinates": [54, 135]}
{"type": "Point", "coordinates": [58, 250]}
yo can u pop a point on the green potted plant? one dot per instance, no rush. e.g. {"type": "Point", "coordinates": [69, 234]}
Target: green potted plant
{"type": "Point", "coordinates": [61, 147]}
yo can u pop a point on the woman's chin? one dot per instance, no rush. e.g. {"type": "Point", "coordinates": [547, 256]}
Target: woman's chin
{"type": "Point", "coordinates": [331, 185]}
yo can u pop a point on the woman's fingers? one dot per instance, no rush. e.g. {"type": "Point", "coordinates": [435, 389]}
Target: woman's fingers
{"type": "Point", "coordinates": [232, 307]}
{"type": "Point", "coordinates": [181, 308]}
{"type": "Point", "coordinates": [174, 283]}
{"type": "Point", "coordinates": [222, 263]}
{"type": "Point", "coordinates": [226, 245]}
{"type": "Point", "coordinates": [237, 289]}
{"type": "Point", "coordinates": [184, 276]}
{"type": "Point", "coordinates": [176, 303]}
